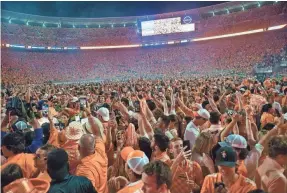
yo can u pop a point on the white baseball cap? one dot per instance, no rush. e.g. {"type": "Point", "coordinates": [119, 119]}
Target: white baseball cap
{"type": "Point", "coordinates": [75, 99]}
{"type": "Point", "coordinates": [135, 159]}
{"type": "Point", "coordinates": [104, 113]}
{"type": "Point", "coordinates": [203, 113]}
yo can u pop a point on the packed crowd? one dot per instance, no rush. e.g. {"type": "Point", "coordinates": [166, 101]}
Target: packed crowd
{"type": "Point", "coordinates": [236, 54]}
{"type": "Point", "coordinates": [39, 36]}
{"type": "Point", "coordinates": [252, 19]}
{"type": "Point", "coordinates": [207, 135]}
{"type": "Point", "coordinates": [274, 59]}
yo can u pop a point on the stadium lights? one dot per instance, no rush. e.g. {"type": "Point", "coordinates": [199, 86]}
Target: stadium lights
{"type": "Point", "coordinates": [109, 47]}
{"type": "Point", "coordinates": [228, 35]}
{"type": "Point", "coordinates": [276, 27]}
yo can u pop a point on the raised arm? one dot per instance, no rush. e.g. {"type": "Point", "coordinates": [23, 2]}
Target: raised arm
{"type": "Point", "coordinates": [184, 108]}
{"type": "Point", "coordinates": [38, 138]}
{"type": "Point", "coordinates": [229, 127]}
{"type": "Point", "coordinates": [95, 127]}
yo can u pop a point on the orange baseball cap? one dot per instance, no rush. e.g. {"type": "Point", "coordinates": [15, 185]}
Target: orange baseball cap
{"type": "Point", "coordinates": [125, 152]}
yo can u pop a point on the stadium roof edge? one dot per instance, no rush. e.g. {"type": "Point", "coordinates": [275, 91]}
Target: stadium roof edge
{"type": "Point", "coordinates": [119, 20]}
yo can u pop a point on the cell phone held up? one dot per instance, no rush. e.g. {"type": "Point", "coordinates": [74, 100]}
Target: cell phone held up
{"type": "Point", "coordinates": [137, 106]}
{"type": "Point", "coordinates": [186, 143]}
{"type": "Point", "coordinates": [83, 102]}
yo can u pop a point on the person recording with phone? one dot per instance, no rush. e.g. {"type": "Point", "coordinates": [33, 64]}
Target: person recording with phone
{"type": "Point", "coordinates": [187, 177]}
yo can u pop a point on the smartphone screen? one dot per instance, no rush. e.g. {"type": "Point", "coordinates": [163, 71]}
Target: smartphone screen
{"type": "Point", "coordinates": [45, 109]}
{"type": "Point", "coordinates": [82, 103]}
{"type": "Point", "coordinates": [137, 106]}
{"type": "Point", "coordinates": [186, 143]}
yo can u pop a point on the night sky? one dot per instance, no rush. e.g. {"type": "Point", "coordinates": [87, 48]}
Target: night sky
{"type": "Point", "coordinates": [101, 8]}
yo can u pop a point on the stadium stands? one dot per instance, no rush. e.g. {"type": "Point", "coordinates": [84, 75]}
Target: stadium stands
{"type": "Point", "coordinates": [237, 54]}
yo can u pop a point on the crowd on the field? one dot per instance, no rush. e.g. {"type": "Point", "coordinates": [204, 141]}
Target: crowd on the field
{"type": "Point", "coordinates": [208, 135]}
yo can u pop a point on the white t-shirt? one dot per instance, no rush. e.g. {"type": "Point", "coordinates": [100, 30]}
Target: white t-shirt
{"type": "Point", "coordinates": [191, 133]}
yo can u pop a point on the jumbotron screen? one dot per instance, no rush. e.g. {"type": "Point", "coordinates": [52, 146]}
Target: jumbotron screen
{"type": "Point", "coordinates": [165, 26]}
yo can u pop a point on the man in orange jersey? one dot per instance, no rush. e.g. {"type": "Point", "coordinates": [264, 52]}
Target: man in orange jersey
{"type": "Point", "coordinates": [13, 147]}
{"type": "Point", "coordinates": [227, 180]}
{"type": "Point", "coordinates": [94, 162]}
{"type": "Point", "coordinates": [188, 174]}
{"type": "Point", "coordinates": [40, 161]}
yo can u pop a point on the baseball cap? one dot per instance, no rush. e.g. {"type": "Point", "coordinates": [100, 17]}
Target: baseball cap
{"type": "Point", "coordinates": [202, 113]}
{"type": "Point", "coordinates": [75, 99]}
{"type": "Point", "coordinates": [21, 125]}
{"type": "Point", "coordinates": [105, 113]}
{"type": "Point", "coordinates": [234, 140]}
{"type": "Point", "coordinates": [226, 156]}
{"type": "Point", "coordinates": [126, 151]}
{"type": "Point", "coordinates": [74, 131]}
{"type": "Point", "coordinates": [136, 159]}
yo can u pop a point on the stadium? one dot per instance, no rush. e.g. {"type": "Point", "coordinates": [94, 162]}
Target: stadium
{"type": "Point", "coordinates": [181, 44]}
{"type": "Point", "coordinates": [189, 101]}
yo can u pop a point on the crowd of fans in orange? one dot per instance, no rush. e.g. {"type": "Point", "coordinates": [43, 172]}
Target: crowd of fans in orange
{"type": "Point", "coordinates": [222, 134]}
{"type": "Point", "coordinates": [238, 54]}
{"type": "Point", "coordinates": [179, 123]}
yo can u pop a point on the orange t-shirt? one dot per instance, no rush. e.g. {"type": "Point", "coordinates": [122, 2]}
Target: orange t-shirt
{"type": "Point", "coordinates": [163, 157]}
{"type": "Point", "coordinates": [25, 161]}
{"type": "Point", "coordinates": [53, 139]}
{"type": "Point", "coordinates": [44, 176]}
{"type": "Point", "coordinates": [193, 171]}
{"type": "Point", "coordinates": [242, 168]}
{"type": "Point", "coordinates": [132, 187]}
{"type": "Point", "coordinates": [95, 167]}
{"type": "Point", "coordinates": [270, 177]}
{"type": "Point", "coordinates": [242, 184]}
{"type": "Point", "coordinates": [266, 118]}
{"type": "Point", "coordinates": [71, 147]}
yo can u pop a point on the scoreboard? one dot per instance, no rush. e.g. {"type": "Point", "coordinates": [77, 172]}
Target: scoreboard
{"type": "Point", "coordinates": [167, 26]}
